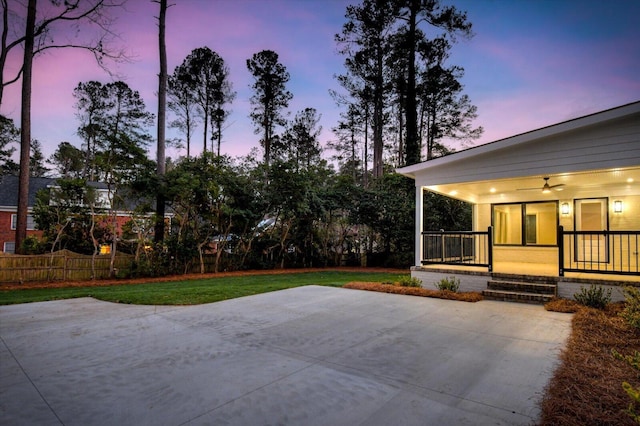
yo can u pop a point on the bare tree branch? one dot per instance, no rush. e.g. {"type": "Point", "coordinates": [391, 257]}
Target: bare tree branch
{"type": "Point", "coordinates": [92, 12]}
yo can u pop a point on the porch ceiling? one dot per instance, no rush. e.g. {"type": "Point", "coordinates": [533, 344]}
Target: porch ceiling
{"type": "Point", "coordinates": [595, 183]}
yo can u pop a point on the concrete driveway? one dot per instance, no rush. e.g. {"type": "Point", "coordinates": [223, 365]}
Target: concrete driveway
{"type": "Point", "coordinates": [305, 356]}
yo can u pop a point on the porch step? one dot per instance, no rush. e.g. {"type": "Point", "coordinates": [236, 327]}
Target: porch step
{"type": "Point", "coordinates": [520, 289]}
{"type": "Point", "coordinates": [515, 296]}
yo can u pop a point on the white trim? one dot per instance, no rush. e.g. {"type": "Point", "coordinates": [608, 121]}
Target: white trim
{"type": "Point", "coordinates": [418, 225]}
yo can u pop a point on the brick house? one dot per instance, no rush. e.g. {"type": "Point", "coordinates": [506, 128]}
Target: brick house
{"type": "Point", "coordinates": [9, 203]}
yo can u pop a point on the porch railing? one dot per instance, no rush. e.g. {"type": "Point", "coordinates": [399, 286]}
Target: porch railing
{"type": "Point", "coordinates": [472, 248]}
{"type": "Point", "coordinates": [603, 252]}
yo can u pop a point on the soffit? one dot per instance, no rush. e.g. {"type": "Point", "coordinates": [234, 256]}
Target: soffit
{"type": "Point", "coordinates": [594, 183]}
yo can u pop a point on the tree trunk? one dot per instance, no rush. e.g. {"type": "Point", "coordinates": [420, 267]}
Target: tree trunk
{"type": "Point", "coordinates": [25, 126]}
{"type": "Point", "coordinates": [162, 106]}
{"type": "Point", "coordinates": [411, 145]}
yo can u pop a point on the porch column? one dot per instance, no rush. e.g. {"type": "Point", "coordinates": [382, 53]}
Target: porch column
{"type": "Point", "coordinates": [418, 225]}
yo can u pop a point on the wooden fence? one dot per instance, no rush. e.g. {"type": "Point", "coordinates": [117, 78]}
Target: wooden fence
{"type": "Point", "coordinates": [63, 265]}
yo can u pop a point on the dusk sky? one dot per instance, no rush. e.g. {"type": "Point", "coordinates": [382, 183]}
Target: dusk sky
{"type": "Point", "coordinates": [532, 63]}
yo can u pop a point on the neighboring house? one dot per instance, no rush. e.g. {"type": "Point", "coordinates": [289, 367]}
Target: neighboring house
{"type": "Point", "coordinates": [9, 203]}
{"type": "Point", "coordinates": [9, 208]}
{"type": "Point", "coordinates": [559, 206]}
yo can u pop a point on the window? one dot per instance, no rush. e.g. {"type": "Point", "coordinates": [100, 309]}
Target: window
{"type": "Point", "coordinates": [31, 223]}
{"type": "Point", "coordinates": [9, 247]}
{"type": "Point", "coordinates": [525, 224]}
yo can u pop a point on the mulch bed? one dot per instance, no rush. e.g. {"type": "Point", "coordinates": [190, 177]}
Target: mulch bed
{"type": "Point", "coordinates": [586, 388]}
{"type": "Point", "coordinates": [186, 277]}
{"type": "Point", "coordinates": [415, 291]}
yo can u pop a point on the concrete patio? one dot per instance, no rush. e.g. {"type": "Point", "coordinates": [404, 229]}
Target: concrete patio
{"type": "Point", "coordinates": [305, 356]}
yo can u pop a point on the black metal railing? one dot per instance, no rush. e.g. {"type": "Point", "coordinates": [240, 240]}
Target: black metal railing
{"type": "Point", "coordinates": [471, 248]}
{"type": "Point", "coordinates": [603, 252]}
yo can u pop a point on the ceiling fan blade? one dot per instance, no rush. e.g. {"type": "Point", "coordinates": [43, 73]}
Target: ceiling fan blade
{"type": "Point", "coordinates": [545, 188]}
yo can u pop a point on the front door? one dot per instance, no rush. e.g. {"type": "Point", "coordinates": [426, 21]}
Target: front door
{"type": "Point", "coordinates": [591, 215]}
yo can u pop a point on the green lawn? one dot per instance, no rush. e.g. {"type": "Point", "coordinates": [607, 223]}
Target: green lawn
{"type": "Point", "coordinates": [194, 292]}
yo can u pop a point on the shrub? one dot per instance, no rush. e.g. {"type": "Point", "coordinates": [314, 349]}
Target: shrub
{"type": "Point", "coordinates": [450, 284]}
{"type": "Point", "coordinates": [631, 312]}
{"type": "Point", "coordinates": [593, 297]}
{"type": "Point", "coordinates": [634, 393]}
{"type": "Point", "coordinates": [409, 282]}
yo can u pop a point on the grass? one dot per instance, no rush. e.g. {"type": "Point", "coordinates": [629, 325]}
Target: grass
{"type": "Point", "coordinates": [193, 292]}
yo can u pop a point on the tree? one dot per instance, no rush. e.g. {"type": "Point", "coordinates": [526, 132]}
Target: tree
{"type": "Point", "coordinates": [8, 136]}
{"type": "Point", "coordinates": [25, 131]}
{"type": "Point", "coordinates": [36, 161]}
{"type": "Point", "coordinates": [300, 142]}
{"type": "Point", "coordinates": [201, 193]}
{"type": "Point", "coordinates": [205, 75]}
{"type": "Point", "coordinates": [162, 107]}
{"type": "Point", "coordinates": [365, 42]}
{"type": "Point", "coordinates": [66, 213]}
{"type": "Point", "coordinates": [415, 12]}
{"type": "Point", "coordinates": [350, 126]}
{"type": "Point", "coordinates": [270, 96]}
{"type": "Point", "coordinates": [182, 103]}
{"type": "Point", "coordinates": [115, 125]}
{"type": "Point", "coordinates": [68, 161]}
{"type": "Point", "coordinates": [91, 106]}
{"type": "Point", "coordinates": [49, 31]}
{"type": "Point", "coordinates": [389, 45]}
{"type": "Point", "coordinates": [388, 208]}
{"type": "Point", "coordinates": [445, 111]}
{"type": "Point", "coordinates": [91, 12]}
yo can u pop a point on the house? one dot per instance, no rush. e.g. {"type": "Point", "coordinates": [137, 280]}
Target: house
{"type": "Point", "coordinates": [9, 208]}
{"type": "Point", "coordinates": [9, 203]}
{"type": "Point", "coordinates": [554, 209]}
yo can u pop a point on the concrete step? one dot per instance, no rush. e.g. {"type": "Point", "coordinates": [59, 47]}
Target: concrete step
{"type": "Point", "coordinates": [516, 296]}
{"type": "Point", "coordinates": [523, 287]}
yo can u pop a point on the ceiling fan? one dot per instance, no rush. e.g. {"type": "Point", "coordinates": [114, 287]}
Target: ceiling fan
{"type": "Point", "coordinates": [546, 188]}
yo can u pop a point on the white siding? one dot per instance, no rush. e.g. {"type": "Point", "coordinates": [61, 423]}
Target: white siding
{"type": "Point", "coordinates": [614, 143]}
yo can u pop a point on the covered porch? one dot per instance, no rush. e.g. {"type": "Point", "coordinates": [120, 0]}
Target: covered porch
{"type": "Point", "coordinates": [562, 203]}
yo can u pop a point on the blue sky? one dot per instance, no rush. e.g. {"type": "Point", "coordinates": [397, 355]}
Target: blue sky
{"type": "Point", "coordinates": [532, 63]}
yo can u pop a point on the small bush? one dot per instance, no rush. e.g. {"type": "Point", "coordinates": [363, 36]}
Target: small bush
{"type": "Point", "coordinates": [450, 284]}
{"type": "Point", "coordinates": [409, 282]}
{"type": "Point", "coordinates": [631, 312]}
{"type": "Point", "coordinates": [634, 393]}
{"type": "Point", "coordinates": [593, 297]}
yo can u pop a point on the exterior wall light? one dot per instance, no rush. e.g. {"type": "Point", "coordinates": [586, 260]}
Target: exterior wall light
{"type": "Point", "coordinates": [564, 209]}
{"type": "Point", "coordinates": [617, 206]}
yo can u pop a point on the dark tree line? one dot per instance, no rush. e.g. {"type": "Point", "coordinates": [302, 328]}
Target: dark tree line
{"type": "Point", "coordinates": [398, 90]}
{"type": "Point", "coordinates": [402, 104]}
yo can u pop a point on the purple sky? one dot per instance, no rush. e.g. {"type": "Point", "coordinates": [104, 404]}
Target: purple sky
{"type": "Point", "coordinates": [532, 63]}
